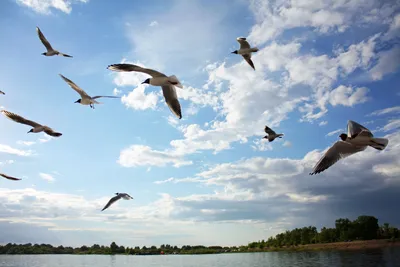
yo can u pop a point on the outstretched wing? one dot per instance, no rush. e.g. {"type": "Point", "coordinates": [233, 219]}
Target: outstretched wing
{"type": "Point", "coordinates": [64, 55]}
{"type": "Point", "coordinates": [9, 177]}
{"type": "Point", "coordinates": [51, 132]}
{"type": "Point", "coordinates": [44, 40]}
{"type": "Point", "coordinates": [19, 119]}
{"type": "Point", "coordinates": [98, 96]}
{"type": "Point", "coordinates": [171, 98]}
{"type": "Point", "coordinates": [243, 43]}
{"type": "Point", "coordinates": [130, 67]}
{"type": "Point", "coordinates": [247, 57]}
{"type": "Point", "coordinates": [75, 87]}
{"type": "Point", "coordinates": [338, 151]}
{"type": "Point", "coordinates": [269, 130]}
{"type": "Point", "coordinates": [354, 129]}
{"type": "Point", "coordinates": [1, 92]}
{"type": "Point", "coordinates": [111, 201]}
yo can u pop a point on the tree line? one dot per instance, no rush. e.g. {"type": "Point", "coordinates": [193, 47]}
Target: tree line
{"type": "Point", "coordinates": [363, 228]}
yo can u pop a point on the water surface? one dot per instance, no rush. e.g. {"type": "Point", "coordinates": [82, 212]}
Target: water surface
{"type": "Point", "coordinates": [387, 257]}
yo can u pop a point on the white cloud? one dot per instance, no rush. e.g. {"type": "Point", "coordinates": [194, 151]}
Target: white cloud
{"type": "Point", "coordinates": [261, 145]}
{"type": "Point", "coordinates": [385, 111]}
{"type": "Point", "coordinates": [348, 96]}
{"type": "Point", "coordinates": [116, 92]}
{"type": "Point", "coordinates": [26, 143]}
{"type": "Point", "coordinates": [44, 6]}
{"type": "Point", "coordinates": [47, 177]}
{"type": "Point", "coordinates": [323, 123]}
{"type": "Point", "coordinates": [153, 23]}
{"type": "Point", "coordinates": [138, 99]}
{"type": "Point", "coordinates": [19, 152]}
{"type": "Point", "coordinates": [139, 155]}
{"type": "Point", "coordinates": [392, 125]}
{"type": "Point", "coordinates": [10, 161]}
{"type": "Point", "coordinates": [334, 132]}
{"type": "Point", "coordinates": [287, 144]}
{"type": "Point", "coordinates": [386, 64]}
{"type": "Point", "coordinates": [46, 138]}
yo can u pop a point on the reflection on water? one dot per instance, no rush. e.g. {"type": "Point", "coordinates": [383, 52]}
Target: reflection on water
{"type": "Point", "coordinates": [388, 257]}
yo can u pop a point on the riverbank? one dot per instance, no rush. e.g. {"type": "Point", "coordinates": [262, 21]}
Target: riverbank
{"type": "Point", "coordinates": [352, 245]}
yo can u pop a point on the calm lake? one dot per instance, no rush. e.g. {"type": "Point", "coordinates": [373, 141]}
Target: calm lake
{"type": "Point", "coordinates": [388, 257]}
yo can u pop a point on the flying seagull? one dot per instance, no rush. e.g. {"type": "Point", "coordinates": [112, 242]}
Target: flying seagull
{"type": "Point", "coordinates": [50, 51]}
{"type": "Point", "coordinates": [85, 98]}
{"type": "Point", "coordinates": [245, 51]}
{"type": "Point", "coordinates": [37, 128]}
{"type": "Point", "coordinates": [116, 198]}
{"type": "Point", "coordinates": [271, 134]}
{"type": "Point", "coordinates": [356, 140]}
{"type": "Point", "coordinates": [2, 93]}
{"type": "Point", "coordinates": [9, 177]}
{"type": "Point", "coordinates": [167, 84]}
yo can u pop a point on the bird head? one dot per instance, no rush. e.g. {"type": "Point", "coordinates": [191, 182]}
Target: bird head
{"type": "Point", "coordinates": [146, 81]}
{"type": "Point", "coordinates": [78, 101]}
{"type": "Point", "coordinates": [266, 137]}
{"type": "Point", "coordinates": [343, 136]}
{"type": "Point", "coordinates": [234, 52]}
{"type": "Point", "coordinates": [30, 131]}
{"type": "Point", "coordinates": [117, 193]}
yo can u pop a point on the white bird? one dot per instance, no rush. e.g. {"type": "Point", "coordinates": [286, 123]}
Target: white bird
{"type": "Point", "coordinates": [116, 198]}
{"type": "Point", "coordinates": [167, 84]}
{"type": "Point", "coordinates": [37, 128]}
{"type": "Point", "coordinates": [85, 98]}
{"type": "Point", "coordinates": [271, 134]}
{"type": "Point", "coordinates": [2, 93]}
{"type": "Point", "coordinates": [356, 140]}
{"type": "Point", "coordinates": [9, 177]}
{"type": "Point", "coordinates": [245, 50]}
{"type": "Point", "coordinates": [50, 51]}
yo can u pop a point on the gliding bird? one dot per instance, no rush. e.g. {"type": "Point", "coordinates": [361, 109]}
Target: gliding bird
{"type": "Point", "coordinates": [116, 198]}
{"type": "Point", "coordinates": [271, 134]}
{"type": "Point", "coordinates": [50, 50]}
{"type": "Point", "coordinates": [37, 128]}
{"type": "Point", "coordinates": [356, 140]}
{"type": "Point", "coordinates": [245, 51]}
{"type": "Point", "coordinates": [9, 177]}
{"type": "Point", "coordinates": [167, 84]}
{"type": "Point", "coordinates": [85, 98]}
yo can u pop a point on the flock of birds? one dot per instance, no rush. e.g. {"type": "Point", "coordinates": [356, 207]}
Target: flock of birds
{"type": "Point", "coordinates": [357, 139]}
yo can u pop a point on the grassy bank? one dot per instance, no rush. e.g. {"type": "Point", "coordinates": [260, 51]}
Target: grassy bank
{"type": "Point", "coordinates": [353, 245]}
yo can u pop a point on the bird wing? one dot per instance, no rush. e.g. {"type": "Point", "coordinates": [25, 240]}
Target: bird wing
{"type": "Point", "coordinates": [1, 92]}
{"type": "Point", "coordinates": [338, 151]}
{"type": "Point", "coordinates": [130, 67]}
{"type": "Point", "coordinates": [171, 98]}
{"type": "Point", "coordinates": [269, 130]}
{"type": "Point", "coordinates": [44, 40]}
{"type": "Point", "coordinates": [247, 57]}
{"type": "Point", "coordinates": [354, 129]}
{"type": "Point", "coordinates": [9, 177]}
{"type": "Point", "coordinates": [243, 43]}
{"type": "Point", "coordinates": [75, 87]}
{"type": "Point", "coordinates": [111, 201]}
{"type": "Point", "coordinates": [98, 96]}
{"type": "Point", "coordinates": [19, 119]}
{"type": "Point", "coordinates": [51, 132]}
{"type": "Point", "coordinates": [64, 55]}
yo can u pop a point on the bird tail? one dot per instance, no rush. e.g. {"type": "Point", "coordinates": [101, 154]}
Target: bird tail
{"type": "Point", "coordinates": [279, 135]}
{"type": "Point", "coordinates": [254, 49]}
{"type": "Point", "coordinates": [174, 79]}
{"type": "Point", "coordinates": [379, 143]}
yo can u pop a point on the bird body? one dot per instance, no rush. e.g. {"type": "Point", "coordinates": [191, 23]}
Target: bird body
{"type": "Point", "coordinates": [245, 50]}
{"type": "Point", "coordinates": [37, 128]}
{"type": "Point", "coordinates": [2, 93]}
{"type": "Point", "coordinates": [357, 139]}
{"type": "Point", "coordinates": [167, 84]}
{"type": "Point", "coordinates": [116, 198]}
{"type": "Point", "coordinates": [85, 98]}
{"type": "Point", "coordinates": [50, 51]}
{"type": "Point", "coordinates": [271, 134]}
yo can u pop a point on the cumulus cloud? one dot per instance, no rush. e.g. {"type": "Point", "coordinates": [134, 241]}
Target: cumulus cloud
{"type": "Point", "coordinates": [45, 176]}
{"type": "Point", "coordinates": [45, 6]}
{"type": "Point", "coordinates": [386, 64]}
{"type": "Point", "coordinates": [139, 155]}
{"type": "Point", "coordinates": [14, 151]}
{"type": "Point", "coordinates": [323, 123]}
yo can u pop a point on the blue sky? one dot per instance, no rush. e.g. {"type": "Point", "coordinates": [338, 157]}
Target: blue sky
{"type": "Point", "coordinates": [202, 178]}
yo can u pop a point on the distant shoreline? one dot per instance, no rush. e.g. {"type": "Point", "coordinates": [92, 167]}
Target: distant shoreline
{"type": "Point", "coordinates": [352, 245]}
